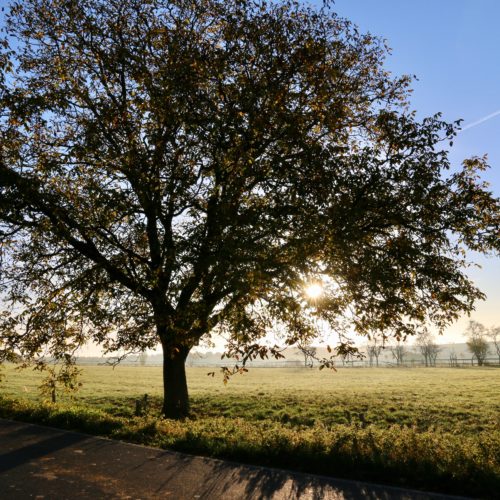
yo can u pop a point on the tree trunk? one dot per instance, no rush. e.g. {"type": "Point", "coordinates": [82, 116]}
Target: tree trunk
{"type": "Point", "coordinates": [175, 391]}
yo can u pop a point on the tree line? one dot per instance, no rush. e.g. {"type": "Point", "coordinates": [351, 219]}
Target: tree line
{"type": "Point", "coordinates": [480, 340]}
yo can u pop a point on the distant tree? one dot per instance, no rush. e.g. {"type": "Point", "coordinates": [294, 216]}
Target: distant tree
{"type": "Point", "coordinates": [453, 358]}
{"type": "Point", "coordinates": [373, 350]}
{"type": "Point", "coordinates": [399, 352]}
{"type": "Point", "coordinates": [345, 358]}
{"type": "Point", "coordinates": [494, 335]}
{"type": "Point", "coordinates": [476, 341]}
{"type": "Point", "coordinates": [192, 356]}
{"type": "Point", "coordinates": [170, 169]}
{"type": "Point", "coordinates": [434, 350]}
{"type": "Point", "coordinates": [427, 346]}
{"type": "Point", "coordinates": [143, 358]}
{"type": "Point", "coordinates": [309, 353]}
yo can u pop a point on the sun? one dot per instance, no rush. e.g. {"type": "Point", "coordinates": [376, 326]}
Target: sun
{"type": "Point", "coordinates": [314, 291]}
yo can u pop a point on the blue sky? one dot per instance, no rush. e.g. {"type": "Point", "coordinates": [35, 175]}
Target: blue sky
{"type": "Point", "coordinates": [453, 48]}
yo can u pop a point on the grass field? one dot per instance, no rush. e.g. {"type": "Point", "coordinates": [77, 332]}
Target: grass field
{"type": "Point", "coordinates": [432, 428]}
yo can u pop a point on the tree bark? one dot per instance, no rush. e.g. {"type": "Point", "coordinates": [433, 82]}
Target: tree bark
{"type": "Point", "coordinates": [175, 391]}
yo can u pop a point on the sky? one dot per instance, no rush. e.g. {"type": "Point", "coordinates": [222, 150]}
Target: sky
{"type": "Point", "coordinates": [452, 46]}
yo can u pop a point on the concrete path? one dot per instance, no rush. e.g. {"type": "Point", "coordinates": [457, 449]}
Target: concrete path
{"type": "Point", "coordinates": [44, 463]}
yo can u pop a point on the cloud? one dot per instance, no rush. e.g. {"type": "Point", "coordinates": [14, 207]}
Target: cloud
{"type": "Point", "coordinates": [481, 120]}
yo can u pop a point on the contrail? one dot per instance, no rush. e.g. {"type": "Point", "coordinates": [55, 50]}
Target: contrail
{"type": "Point", "coordinates": [481, 120]}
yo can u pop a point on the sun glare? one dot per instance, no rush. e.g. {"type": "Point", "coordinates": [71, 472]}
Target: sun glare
{"type": "Point", "coordinates": [314, 291]}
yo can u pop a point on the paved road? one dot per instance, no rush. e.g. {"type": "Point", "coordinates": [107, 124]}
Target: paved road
{"type": "Point", "coordinates": [44, 463]}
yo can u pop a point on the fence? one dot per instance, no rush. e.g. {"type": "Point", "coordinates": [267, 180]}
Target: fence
{"type": "Point", "coordinates": [250, 364]}
{"type": "Point", "coordinates": [339, 363]}
{"type": "Point", "coordinates": [354, 363]}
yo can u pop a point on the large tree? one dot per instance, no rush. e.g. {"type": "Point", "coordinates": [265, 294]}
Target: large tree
{"type": "Point", "coordinates": [171, 169]}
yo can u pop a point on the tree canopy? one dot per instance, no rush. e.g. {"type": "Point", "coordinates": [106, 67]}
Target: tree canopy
{"type": "Point", "coordinates": [171, 169]}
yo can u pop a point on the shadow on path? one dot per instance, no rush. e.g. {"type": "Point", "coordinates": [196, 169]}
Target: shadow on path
{"type": "Point", "coordinates": [37, 460]}
{"type": "Point", "coordinates": [29, 452]}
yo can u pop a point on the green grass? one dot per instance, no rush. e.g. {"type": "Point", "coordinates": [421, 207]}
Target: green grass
{"type": "Point", "coordinates": [435, 429]}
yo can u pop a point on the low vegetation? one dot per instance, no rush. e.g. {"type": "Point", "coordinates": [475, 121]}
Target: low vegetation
{"type": "Point", "coordinates": [434, 428]}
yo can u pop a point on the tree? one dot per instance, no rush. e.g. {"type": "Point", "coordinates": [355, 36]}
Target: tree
{"type": "Point", "coordinates": [494, 335]}
{"type": "Point", "coordinates": [61, 377]}
{"type": "Point", "coordinates": [373, 350]}
{"type": "Point", "coordinates": [476, 341]}
{"type": "Point", "coordinates": [142, 358]}
{"type": "Point", "coordinates": [434, 350]}
{"type": "Point", "coordinates": [309, 353]}
{"type": "Point", "coordinates": [170, 170]}
{"type": "Point", "coordinates": [428, 347]}
{"type": "Point", "coordinates": [399, 351]}
{"type": "Point", "coordinates": [453, 358]}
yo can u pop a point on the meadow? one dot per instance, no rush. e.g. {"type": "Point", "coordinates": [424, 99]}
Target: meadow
{"type": "Point", "coordinates": [429, 428]}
